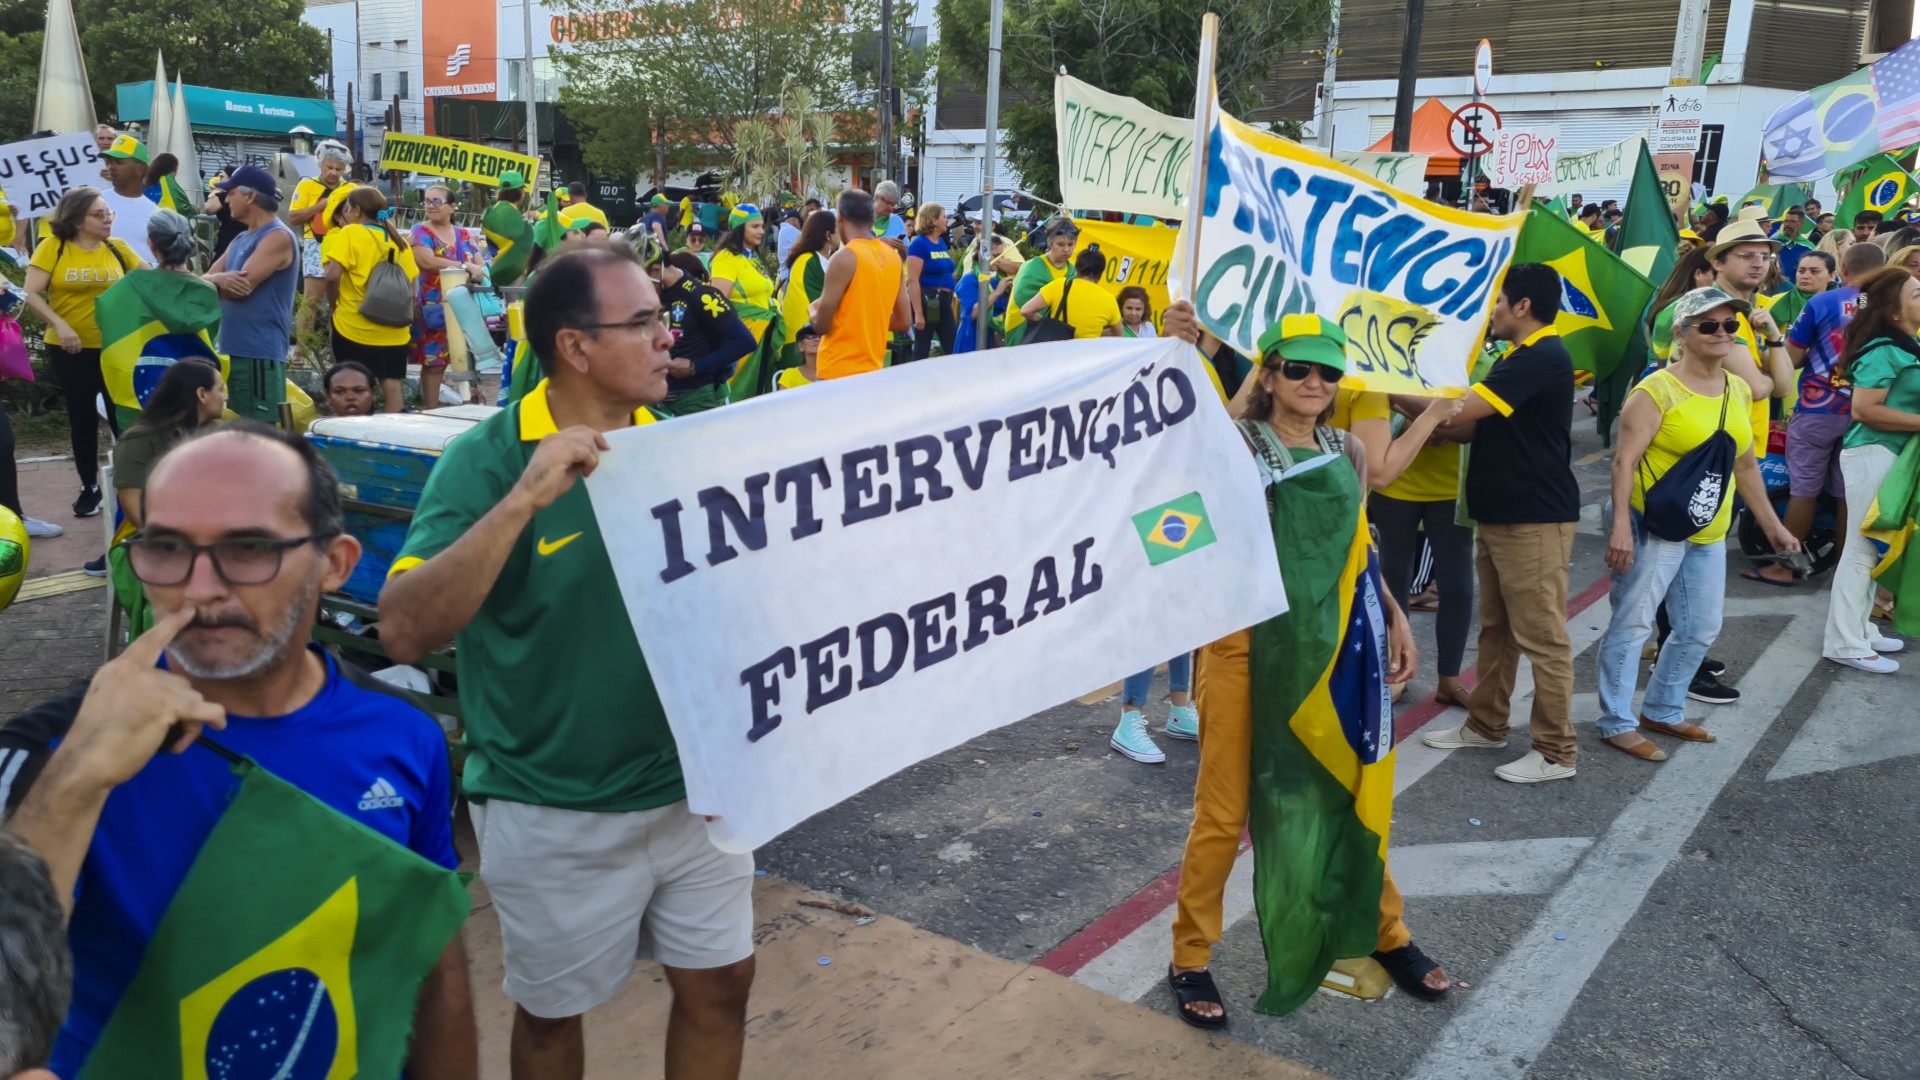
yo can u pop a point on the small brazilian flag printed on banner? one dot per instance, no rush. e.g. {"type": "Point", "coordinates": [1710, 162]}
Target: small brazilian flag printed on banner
{"type": "Point", "coordinates": [1173, 529]}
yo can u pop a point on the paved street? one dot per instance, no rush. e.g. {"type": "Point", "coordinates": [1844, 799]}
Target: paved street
{"type": "Point", "coordinates": [1743, 910]}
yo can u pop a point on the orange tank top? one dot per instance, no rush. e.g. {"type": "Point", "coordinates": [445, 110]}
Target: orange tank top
{"type": "Point", "coordinates": [858, 341]}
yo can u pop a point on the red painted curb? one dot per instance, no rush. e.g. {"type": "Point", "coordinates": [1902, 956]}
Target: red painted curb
{"type": "Point", "coordinates": [1137, 910]}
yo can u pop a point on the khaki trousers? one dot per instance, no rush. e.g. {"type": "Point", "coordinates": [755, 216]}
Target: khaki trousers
{"type": "Point", "coordinates": [1523, 610]}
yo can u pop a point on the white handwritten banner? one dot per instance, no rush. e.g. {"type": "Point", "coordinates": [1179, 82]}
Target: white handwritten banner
{"type": "Point", "coordinates": [1593, 171]}
{"type": "Point", "coordinates": [1408, 172]}
{"type": "Point", "coordinates": [1283, 229]}
{"type": "Point", "coordinates": [1117, 154]}
{"type": "Point", "coordinates": [34, 173]}
{"type": "Point", "coordinates": [833, 583]}
{"type": "Point", "coordinates": [1519, 158]}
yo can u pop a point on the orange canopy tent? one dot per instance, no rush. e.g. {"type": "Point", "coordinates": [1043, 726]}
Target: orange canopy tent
{"type": "Point", "coordinates": [1430, 123]}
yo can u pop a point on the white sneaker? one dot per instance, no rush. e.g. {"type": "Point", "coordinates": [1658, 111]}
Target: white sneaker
{"type": "Point", "coordinates": [1879, 665]}
{"type": "Point", "coordinates": [1461, 738]}
{"type": "Point", "coordinates": [1533, 769]}
{"type": "Point", "coordinates": [1885, 644]}
{"type": "Point", "coordinates": [41, 530]}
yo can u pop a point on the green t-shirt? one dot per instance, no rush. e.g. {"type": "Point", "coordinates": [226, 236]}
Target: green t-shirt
{"type": "Point", "coordinates": [560, 707]}
{"type": "Point", "coordinates": [1887, 367]}
{"type": "Point", "coordinates": [135, 455]}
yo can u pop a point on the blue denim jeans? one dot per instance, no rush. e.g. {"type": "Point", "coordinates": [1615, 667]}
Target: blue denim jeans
{"type": "Point", "coordinates": [1692, 578]}
{"type": "Point", "coordinates": [1179, 680]}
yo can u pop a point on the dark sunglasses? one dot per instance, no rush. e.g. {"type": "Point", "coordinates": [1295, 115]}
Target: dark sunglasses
{"type": "Point", "coordinates": [1298, 370]}
{"type": "Point", "coordinates": [436, 202]}
{"type": "Point", "coordinates": [1731, 326]}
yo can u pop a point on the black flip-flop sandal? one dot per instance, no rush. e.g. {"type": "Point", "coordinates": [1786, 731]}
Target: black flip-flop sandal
{"type": "Point", "coordinates": [1409, 967]}
{"type": "Point", "coordinates": [1190, 987]}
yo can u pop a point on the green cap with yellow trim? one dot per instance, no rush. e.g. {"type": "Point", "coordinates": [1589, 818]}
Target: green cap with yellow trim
{"type": "Point", "coordinates": [126, 146]}
{"type": "Point", "coordinates": [1312, 338]}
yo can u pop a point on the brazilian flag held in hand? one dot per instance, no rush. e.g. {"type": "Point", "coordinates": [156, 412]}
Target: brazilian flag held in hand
{"type": "Point", "coordinates": [1602, 297]}
{"type": "Point", "coordinates": [1878, 184]}
{"type": "Point", "coordinates": [294, 949]}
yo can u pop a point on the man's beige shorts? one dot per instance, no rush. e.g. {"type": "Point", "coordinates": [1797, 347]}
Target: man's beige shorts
{"type": "Point", "coordinates": [581, 895]}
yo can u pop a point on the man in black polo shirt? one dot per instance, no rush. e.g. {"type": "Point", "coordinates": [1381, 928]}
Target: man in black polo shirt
{"type": "Point", "coordinates": [1520, 488]}
{"type": "Point", "coordinates": [709, 338]}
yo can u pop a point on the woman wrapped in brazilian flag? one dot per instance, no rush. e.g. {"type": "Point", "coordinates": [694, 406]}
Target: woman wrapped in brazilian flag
{"type": "Point", "coordinates": [1296, 727]}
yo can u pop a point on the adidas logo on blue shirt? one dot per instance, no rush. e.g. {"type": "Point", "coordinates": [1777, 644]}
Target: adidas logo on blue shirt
{"type": "Point", "coordinates": [381, 796]}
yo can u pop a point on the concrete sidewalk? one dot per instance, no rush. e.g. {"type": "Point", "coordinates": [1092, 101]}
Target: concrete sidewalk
{"type": "Point", "coordinates": [47, 491]}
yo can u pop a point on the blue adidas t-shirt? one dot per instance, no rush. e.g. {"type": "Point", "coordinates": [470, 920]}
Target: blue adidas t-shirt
{"type": "Point", "coordinates": [373, 757]}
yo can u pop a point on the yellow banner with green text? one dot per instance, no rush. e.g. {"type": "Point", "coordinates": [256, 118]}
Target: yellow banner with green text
{"type": "Point", "coordinates": [452, 159]}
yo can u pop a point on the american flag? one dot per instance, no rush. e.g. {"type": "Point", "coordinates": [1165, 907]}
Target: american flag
{"type": "Point", "coordinates": [1896, 82]}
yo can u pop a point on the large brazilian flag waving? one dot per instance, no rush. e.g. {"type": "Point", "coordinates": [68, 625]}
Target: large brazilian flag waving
{"type": "Point", "coordinates": [1321, 796]}
{"type": "Point", "coordinates": [1602, 296]}
{"type": "Point", "coordinates": [295, 949]}
{"type": "Point", "coordinates": [149, 321]}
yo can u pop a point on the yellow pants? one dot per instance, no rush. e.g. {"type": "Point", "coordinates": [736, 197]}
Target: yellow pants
{"type": "Point", "coordinates": [1223, 693]}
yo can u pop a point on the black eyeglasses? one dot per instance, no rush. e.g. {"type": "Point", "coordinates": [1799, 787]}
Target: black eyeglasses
{"type": "Point", "coordinates": [1298, 370]}
{"type": "Point", "coordinates": [1731, 326]}
{"type": "Point", "coordinates": [250, 560]}
{"type": "Point", "coordinates": [644, 322]}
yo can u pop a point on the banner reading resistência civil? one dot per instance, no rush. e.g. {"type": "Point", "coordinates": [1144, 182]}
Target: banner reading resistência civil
{"type": "Point", "coordinates": [1283, 229]}
{"type": "Point", "coordinates": [452, 159]}
{"type": "Point", "coordinates": [1117, 154]}
{"type": "Point", "coordinates": [834, 583]}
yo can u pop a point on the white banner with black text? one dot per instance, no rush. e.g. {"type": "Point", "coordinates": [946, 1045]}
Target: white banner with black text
{"type": "Point", "coordinates": [833, 583]}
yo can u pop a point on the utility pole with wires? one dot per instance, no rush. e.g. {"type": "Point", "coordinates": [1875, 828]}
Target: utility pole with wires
{"type": "Point", "coordinates": [1409, 76]}
{"type": "Point", "coordinates": [883, 160]}
{"type": "Point", "coordinates": [983, 259]}
{"type": "Point", "coordinates": [1325, 135]}
{"type": "Point", "coordinates": [526, 81]}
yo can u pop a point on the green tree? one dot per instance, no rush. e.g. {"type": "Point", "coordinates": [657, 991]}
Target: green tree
{"type": "Point", "coordinates": [19, 81]}
{"type": "Point", "coordinates": [785, 152]}
{"type": "Point", "coordinates": [1145, 49]}
{"type": "Point", "coordinates": [259, 47]}
{"type": "Point", "coordinates": [668, 83]}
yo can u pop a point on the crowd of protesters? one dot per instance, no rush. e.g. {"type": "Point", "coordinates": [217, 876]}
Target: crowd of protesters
{"type": "Point", "coordinates": [587, 849]}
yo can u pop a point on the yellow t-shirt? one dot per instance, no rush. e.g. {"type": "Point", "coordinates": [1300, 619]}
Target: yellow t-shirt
{"type": "Point", "coordinates": [575, 211]}
{"type": "Point", "coordinates": [1433, 476]}
{"type": "Point", "coordinates": [1688, 419]}
{"type": "Point", "coordinates": [791, 379]}
{"type": "Point", "coordinates": [1351, 406]}
{"type": "Point", "coordinates": [1090, 310]}
{"type": "Point", "coordinates": [78, 278]}
{"type": "Point", "coordinates": [310, 192]}
{"type": "Point", "coordinates": [1758, 409]}
{"type": "Point", "coordinates": [6, 221]}
{"type": "Point", "coordinates": [358, 249]}
{"type": "Point", "coordinates": [750, 286]}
